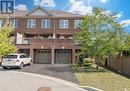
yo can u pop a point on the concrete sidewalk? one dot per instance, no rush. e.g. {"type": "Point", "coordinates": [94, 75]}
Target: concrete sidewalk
{"type": "Point", "coordinates": [19, 81]}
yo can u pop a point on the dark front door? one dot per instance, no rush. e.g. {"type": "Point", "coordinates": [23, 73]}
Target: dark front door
{"type": "Point", "coordinates": [43, 56]}
{"type": "Point", "coordinates": [63, 56]}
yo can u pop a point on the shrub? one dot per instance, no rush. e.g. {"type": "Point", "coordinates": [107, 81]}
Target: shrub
{"type": "Point", "coordinates": [87, 62]}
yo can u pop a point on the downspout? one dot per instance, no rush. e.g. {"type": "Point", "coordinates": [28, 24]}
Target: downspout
{"type": "Point", "coordinates": [54, 37]}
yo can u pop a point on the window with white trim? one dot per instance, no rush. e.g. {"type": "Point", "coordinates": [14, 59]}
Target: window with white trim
{"type": "Point", "coordinates": [14, 23]}
{"type": "Point", "coordinates": [77, 23]}
{"type": "Point", "coordinates": [31, 23]}
{"type": "Point", "coordinates": [46, 23]}
{"type": "Point", "coordinates": [64, 24]}
{"type": "Point", "coordinates": [1, 23]}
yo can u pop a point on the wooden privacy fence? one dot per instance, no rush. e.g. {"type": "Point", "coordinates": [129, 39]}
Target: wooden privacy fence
{"type": "Point", "coordinates": [121, 64]}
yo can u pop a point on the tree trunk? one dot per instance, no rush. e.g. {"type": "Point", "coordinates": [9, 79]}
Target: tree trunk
{"type": "Point", "coordinates": [0, 59]}
{"type": "Point", "coordinates": [97, 66]}
{"type": "Point", "coordinates": [106, 62]}
{"type": "Point", "coordinates": [121, 62]}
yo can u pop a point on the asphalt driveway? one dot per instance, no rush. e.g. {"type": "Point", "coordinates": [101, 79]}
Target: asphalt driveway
{"type": "Point", "coordinates": [61, 71]}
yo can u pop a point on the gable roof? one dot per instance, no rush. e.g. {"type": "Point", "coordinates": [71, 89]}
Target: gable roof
{"type": "Point", "coordinates": [54, 13]}
{"type": "Point", "coordinates": [39, 8]}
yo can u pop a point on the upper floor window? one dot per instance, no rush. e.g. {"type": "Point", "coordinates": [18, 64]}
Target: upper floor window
{"type": "Point", "coordinates": [14, 23]}
{"type": "Point", "coordinates": [77, 23]}
{"type": "Point", "coordinates": [64, 24]}
{"type": "Point", "coordinates": [1, 23]}
{"type": "Point", "coordinates": [31, 23]}
{"type": "Point", "coordinates": [46, 23]}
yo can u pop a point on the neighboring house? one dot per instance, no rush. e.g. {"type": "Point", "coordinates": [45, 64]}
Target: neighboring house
{"type": "Point", "coordinates": [47, 36]}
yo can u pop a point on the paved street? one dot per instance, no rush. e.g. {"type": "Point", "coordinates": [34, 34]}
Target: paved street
{"type": "Point", "coordinates": [19, 81]}
{"type": "Point", "coordinates": [58, 77]}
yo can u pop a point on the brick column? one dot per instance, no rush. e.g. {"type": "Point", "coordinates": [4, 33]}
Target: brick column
{"type": "Point", "coordinates": [53, 56]}
{"type": "Point", "coordinates": [31, 53]}
{"type": "Point", "coordinates": [73, 56]}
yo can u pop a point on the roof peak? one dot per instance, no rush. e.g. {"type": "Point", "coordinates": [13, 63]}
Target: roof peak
{"type": "Point", "coordinates": [38, 7]}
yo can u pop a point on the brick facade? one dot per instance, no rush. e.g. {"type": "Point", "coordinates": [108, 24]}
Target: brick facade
{"type": "Point", "coordinates": [31, 37]}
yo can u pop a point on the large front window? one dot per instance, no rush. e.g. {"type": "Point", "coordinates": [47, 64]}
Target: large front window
{"type": "Point", "coordinates": [31, 23]}
{"type": "Point", "coordinates": [64, 24]}
{"type": "Point", "coordinates": [77, 23]}
{"type": "Point", "coordinates": [46, 23]}
{"type": "Point", "coordinates": [14, 23]}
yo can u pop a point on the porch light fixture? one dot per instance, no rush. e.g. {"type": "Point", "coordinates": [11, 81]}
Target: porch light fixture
{"type": "Point", "coordinates": [42, 47]}
{"type": "Point", "coordinates": [63, 47]}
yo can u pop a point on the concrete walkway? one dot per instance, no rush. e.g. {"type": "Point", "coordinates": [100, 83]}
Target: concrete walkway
{"type": "Point", "coordinates": [20, 81]}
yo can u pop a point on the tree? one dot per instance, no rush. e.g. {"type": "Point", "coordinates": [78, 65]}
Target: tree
{"type": "Point", "coordinates": [6, 41]}
{"type": "Point", "coordinates": [101, 35]}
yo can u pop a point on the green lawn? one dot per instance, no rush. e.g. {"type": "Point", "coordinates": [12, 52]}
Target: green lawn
{"type": "Point", "coordinates": [104, 79]}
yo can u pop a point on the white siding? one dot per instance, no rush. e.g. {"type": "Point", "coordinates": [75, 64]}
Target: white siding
{"type": "Point", "coordinates": [39, 12]}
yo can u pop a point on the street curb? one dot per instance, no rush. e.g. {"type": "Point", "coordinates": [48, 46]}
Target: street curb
{"type": "Point", "coordinates": [91, 87]}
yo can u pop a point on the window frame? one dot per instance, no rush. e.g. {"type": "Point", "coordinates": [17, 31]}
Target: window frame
{"type": "Point", "coordinates": [77, 23]}
{"type": "Point", "coordinates": [1, 23]}
{"type": "Point", "coordinates": [31, 23]}
{"type": "Point", "coordinates": [14, 23]}
{"type": "Point", "coordinates": [47, 23]}
{"type": "Point", "coordinates": [65, 23]}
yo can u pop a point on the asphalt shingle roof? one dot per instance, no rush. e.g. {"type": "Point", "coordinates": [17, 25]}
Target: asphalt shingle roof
{"type": "Point", "coordinates": [55, 13]}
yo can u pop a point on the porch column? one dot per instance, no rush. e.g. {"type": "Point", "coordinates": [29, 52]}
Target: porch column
{"type": "Point", "coordinates": [53, 56]}
{"type": "Point", "coordinates": [54, 35]}
{"type": "Point", "coordinates": [31, 53]}
{"type": "Point", "coordinates": [73, 56]}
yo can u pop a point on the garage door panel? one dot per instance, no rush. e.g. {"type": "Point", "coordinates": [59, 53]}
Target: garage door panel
{"type": "Point", "coordinates": [63, 56]}
{"type": "Point", "coordinates": [43, 57]}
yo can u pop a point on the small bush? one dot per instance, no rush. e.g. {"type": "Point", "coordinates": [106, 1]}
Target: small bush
{"type": "Point", "coordinates": [75, 65]}
{"type": "Point", "coordinates": [87, 64]}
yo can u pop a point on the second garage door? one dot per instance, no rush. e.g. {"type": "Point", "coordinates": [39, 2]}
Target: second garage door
{"type": "Point", "coordinates": [63, 56]}
{"type": "Point", "coordinates": [43, 56]}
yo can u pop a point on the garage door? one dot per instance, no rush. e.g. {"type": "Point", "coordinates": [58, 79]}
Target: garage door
{"type": "Point", "coordinates": [43, 56]}
{"type": "Point", "coordinates": [63, 56]}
